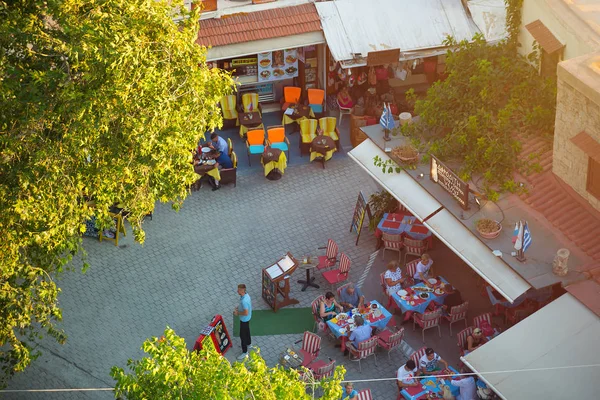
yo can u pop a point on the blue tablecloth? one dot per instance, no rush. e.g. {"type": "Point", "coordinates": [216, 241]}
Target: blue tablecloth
{"type": "Point", "coordinates": [404, 225]}
{"type": "Point", "coordinates": [380, 324]}
{"type": "Point", "coordinates": [431, 385]}
{"type": "Point", "coordinates": [419, 308]}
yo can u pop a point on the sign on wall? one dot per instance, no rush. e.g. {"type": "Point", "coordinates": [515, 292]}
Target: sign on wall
{"type": "Point", "coordinates": [361, 208]}
{"type": "Point", "coordinates": [277, 65]}
{"type": "Point", "coordinates": [443, 176]}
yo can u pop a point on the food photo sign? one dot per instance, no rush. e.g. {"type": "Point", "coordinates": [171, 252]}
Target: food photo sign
{"type": "Point", "coordinates": [277, 65]}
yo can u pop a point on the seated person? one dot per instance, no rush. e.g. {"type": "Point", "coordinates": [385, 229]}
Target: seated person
{"type": "Point", "coordinates": [475, 340]}
{"type": "Point", "coordinates": [344, 98]}
{"type": "Point", "coordinates": [351, 297]}
{"type": "Point", "coordinates": [406, 375]}
{"type": "Point", "coordinates": [361, 333]}
{"type": "Point", "coordinates": [430, 362]}
{"type": "Point", "coordinates": [349, 393]}
{"type": "Point", "coordinates": [393, 277]}
{"type": "Point", "coordinates": [328, 307]}
{"type": "Point", "coordinates": [223, 161]}
{"type": "Point", "coordinates": [453, 299]}
{"type": "Point", "coordinates": [466, 385]}
{"type": "Point", "coordinates": [218, 143]}
{"type": "Point", "coordinates": [422, 273]}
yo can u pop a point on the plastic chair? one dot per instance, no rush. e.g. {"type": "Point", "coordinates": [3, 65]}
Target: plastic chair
{"type": "Point", "coordinates": [322, 369]}
{"type": "Point", "coordinates": [480, 318]}
{"type": "Point", "coordinates": [338, 275]}
{"type": "Point", "coordinates": [330, 257]}
{"type": "Point", "coordinates": [343, 111]}
{"type": "Point", "coordinates": [364, 394]}
{"type": "Point", "coordinates": [229, 175]}
{"type": "Point", "coordinates": [250, 103]}
{"type": "Point", "coordinates": [394, 243]}
{"type": "Point", "coordinates": [230, 146]}
{"type": "Point", "coordinates": [311, 346]}
{"type": "Point", "coordinates": [316, 100]}
{"type": "Point", "coordinates": [389, 341]}
{"type": "Point", "coordinates": [457, 313]}
{"type": "Point", "coordinates": [276, 138]}
{"type": "Point", "coordinates": [417, 355]}
{"type": "Point", "coordinates": [255, 142]}
{"type": "Point", "coordinates": [461, 337]}
{"type": "Point", "coordinates": [228, 108]}
{"type": "Point", "coordinates": [365, 349]}
{"type": "Point", "coordinates": [328, 125]}
{"type": "Point", "coordinates": [308, 129]}
{"type": "Point", "coordinates": [315, 310]}
{"type": "Point", "coordinates": [430, 319]}
{"type": "Point", "coordinates": [414, 247]}
{"type": "Point", "coordinates": [291, 95]}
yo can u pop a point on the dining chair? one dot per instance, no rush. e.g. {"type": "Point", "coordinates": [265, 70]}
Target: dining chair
{"type": "Point", "coordinates": [461, 339]}
{"type": "Point", "coordinates": [255, 142]}
{"type": "Point", "coordinates": [365, 349]}
{"type": "Point", "coordinates": [230, 146]}
{"type": "Point", "coordinates": [414, 247]}
{"type": "Point", "coordinates": [229, 175]}
{"type": "Point", "coordinates": [389, 340]}
{"type": "Point", "coordinates": [483, 317]}
{"type": "Point", "coordinates": [315, 310]}
{"type": "Point", "coordinates": [457, 313]}
{"type": "Point", "coordinates": [428, 320]}
{"type": "Point", "coordinates": [390, 301]}
{"type": "Point", "coordinates": [228, 108]}
{"type": "Point", "coordinates": [411, 270]}
{"type": "Point", "coordinates": [316, 100]}
{"type": "Point", "coordinates": [308, 131]}
{"type": "Point", "coordinates": [417, 355]}
{"type": "Point", "coordinates": [291, 95]}
{"type": "Point", "coordinates": [276, 138]}
{"type": "Point", "coordinates": [339, 290]}
{"type": "Point", "coordinates": [328, 125]}
{"type": "Point", "coordinates": [330, 257]}
{"type": "Point", "coordinates": [338, 275]}
{"type": "Point", "coordinates": [322, 369]}
{"type": "Point", "coordinates": [250, 103]}
{"type": "Point", "coordinates": [393, 243]}
{"type": "Point", "coordinates": [364, 394]}
{"type": "Point", "coordinates": [311, 346]}
{"type": "Point", "coordinates": [343, 111]}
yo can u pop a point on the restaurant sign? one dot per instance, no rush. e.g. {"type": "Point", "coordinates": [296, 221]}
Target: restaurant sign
{"type": "Point", "coordinates": [443, 176]}
{"type": "Point", "coordinates": [244, 61]}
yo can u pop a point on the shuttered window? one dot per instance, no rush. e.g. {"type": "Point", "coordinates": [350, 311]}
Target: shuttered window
{"type": "Point", "coordinates": [593, 178]}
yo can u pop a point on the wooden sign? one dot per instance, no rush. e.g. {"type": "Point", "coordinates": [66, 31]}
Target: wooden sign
{"type": "Point", "coordinates": [443, 176]}
{"type": "Point", "coordinates": [244, 61]}
{"type": "Point", "coordinates": [361, 208]}
{"type": "Point", "coordinates": [382, 57]}
{"type": "Point", "coordinates": [276, 282]}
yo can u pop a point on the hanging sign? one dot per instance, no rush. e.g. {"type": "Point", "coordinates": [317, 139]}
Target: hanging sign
{"type": "Point", "coordinates": [277, 65]}
{"type": "Point", "coordinates": [361, 208]}
{"type": "Point", "coordinates": [443, 176]}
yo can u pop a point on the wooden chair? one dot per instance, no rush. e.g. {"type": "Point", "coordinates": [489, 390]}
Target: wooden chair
{"type": "Point", "coordinates": [276, 138]}
{"type": "Point", "coordinates": [315, 310]}
{"type": "Point", "coordinates": [428, 320]}
{"type": "Point", "coordinates": [390, 301]}
{"type": "Point", "coordinates": [414, 247]}
{"type": "Point", "coordinates": [461, 341]}
{"type": "Point", "coordinates": [330, 257]}
{"type": "Point", "coordinates": [343, 111]}
{"type": "Point", "coordinates": [311, 346]}
{"type": "Point", "coordinates": [483, 317]}
{"type": "Point", "coordinates": [328, 125]}
{"type": "Point", "coordinates": [316, 100]}
{"type": "Point", "coordinates": [417, 355]}
{"type": "Point", "coordinates": [365, 349]}
{"type": "Point", "coordinates": [457, 313]}
{"type": "Point", "coordinates": [339, 275]}
{"type": "Point", "coordinates": [229, 175]}
{"type": "Point", "coordinates": [250, 103]}
{"type": "Point", "coordinates": [364, 394]}
{"type": "Point", "coordinates": [255, 142]}
{"type": "Point", "coordinates": [291, 95]}
{"type": "Point", "coordinates": [228, 108]}
{"type": "Point", "coordinates": [308, 131]}
{"type": "Point", "coordinates": [389, 340]}
{"type": "Point", "coordinates": [392, 242]}
{"type": "Point", "coordinates": [322, 369]}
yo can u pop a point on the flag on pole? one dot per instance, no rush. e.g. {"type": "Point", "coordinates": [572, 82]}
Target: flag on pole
{"type": "Point", "coordinates": [384, 117]}
{"type": "Point", "coordinates": [515, 233]}
{"type": "Point", "coordinates": [526, 237]}
{"type": "Point", "coordinates": [519, 242]}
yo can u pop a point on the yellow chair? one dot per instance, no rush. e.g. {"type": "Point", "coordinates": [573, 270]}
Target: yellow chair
{"type": "Point", "coordinates": [255, 142]}
{"type": "Point", "coordinates": [316, 99]}
{"type": "Point", "coordinates": [229, 175]}
{"type": "Point", "coordinates": [308, 129]}
{"type": "Point", "coordinates": [230, 145]}
{"type": "Point", "coordinates": [329, 127]}
{"type": "Point", "coordinates": [228, 107]}
{"type": "Point", "coordinates": [291, 95]}
{"type": "Point", "coordinates": [250, 102]}
{"type": "Point", "coordinates": [276, 138]}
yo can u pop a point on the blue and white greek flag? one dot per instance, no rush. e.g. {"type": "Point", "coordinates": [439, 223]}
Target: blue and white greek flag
{"type": "Point", "coordinates": [526, 237]}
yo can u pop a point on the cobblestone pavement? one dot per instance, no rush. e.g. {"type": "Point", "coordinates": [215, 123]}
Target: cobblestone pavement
{"type": "Point", "coordinates": [188, 270]}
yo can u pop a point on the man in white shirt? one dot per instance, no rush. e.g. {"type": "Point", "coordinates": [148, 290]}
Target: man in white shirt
{"type": "Point", "coordinates": [406, 375]}
{"type": "Point", "coordinates": [467, 386]}
{"type": "Point", "coordinates": [429, 363]}
{"type": "Point", "coordinates": [422, 273]}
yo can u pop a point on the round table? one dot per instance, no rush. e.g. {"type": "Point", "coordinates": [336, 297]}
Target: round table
{"type": "Point", "coordinates": [312, 262]}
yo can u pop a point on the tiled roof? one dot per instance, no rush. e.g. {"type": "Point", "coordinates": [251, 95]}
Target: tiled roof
{"type": "Point", "coordinates": [544, 37]}
{"type": "Point", "coordinates": [267, 24]}
{"type": "Point", "coordinates": [588, 145]}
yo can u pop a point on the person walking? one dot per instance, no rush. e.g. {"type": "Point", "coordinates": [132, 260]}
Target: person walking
{"type": "Point", "coordinates": [244, 311]}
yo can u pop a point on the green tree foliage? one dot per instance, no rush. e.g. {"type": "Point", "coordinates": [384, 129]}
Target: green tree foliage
{"type": "Point", "coordinates": [102, 100]}
{"type": "Point", "coordinates": [171, 371]}
{"type": "Point", "coordinates": [490, 94]}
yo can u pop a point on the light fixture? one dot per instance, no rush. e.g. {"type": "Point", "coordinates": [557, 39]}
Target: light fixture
{"type": "Point", "coordinates": [421, 175]}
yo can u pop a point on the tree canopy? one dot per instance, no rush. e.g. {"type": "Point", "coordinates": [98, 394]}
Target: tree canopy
{"type": "Point", "coordinates": [171, 371]}
{"type": "Point", "coordinates": [101, 102]}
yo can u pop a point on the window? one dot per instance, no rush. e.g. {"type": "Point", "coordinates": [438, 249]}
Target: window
{"type": "Point", "coordinates": [593, 178]}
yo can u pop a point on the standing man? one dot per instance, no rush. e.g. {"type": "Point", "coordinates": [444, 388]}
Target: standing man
{"type": "Point", "coordinates": [244, 310]}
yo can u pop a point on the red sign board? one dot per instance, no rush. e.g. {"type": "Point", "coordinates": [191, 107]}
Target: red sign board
{"type": "Point", "coordinates": [216, 335]}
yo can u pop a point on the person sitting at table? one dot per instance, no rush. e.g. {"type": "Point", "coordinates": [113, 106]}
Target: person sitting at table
{"type": "Point", "coordinates": [466, 385]}
{"type": "Point", "coordinates": [475, 340]}
{"type": "Point", "coordinates": [430, 362]}
{"type": "Point", "coordinates": [453, 299]}
{"type": "Point", "coordinates": [351, 297]}
{"type": "Point", "coordinates": [344, 98]}
{"type": "Point", "coordinates": [218, 143]}
{"type": "Point", "coordinates": [393, 277]}
{"type": "Point", "coordinates": [223, 161]}
{"type": "Point", "coordinates": [361, 333]}
{"type": "Point", "coordinates": [422, 273]}
{"type": "Point", "coordinates": [406, 375]}
{"type": "Point", "coordinates": [328, 307]}
{"type": "Point", "coordinates": [349, 393]}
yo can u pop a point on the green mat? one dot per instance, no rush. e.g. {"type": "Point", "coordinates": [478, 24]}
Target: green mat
{"type": "Point", "coordinates": [282, 322]}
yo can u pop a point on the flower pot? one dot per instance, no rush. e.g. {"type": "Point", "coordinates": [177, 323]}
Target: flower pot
{"type": "Point", "coordinates": [490, 235]}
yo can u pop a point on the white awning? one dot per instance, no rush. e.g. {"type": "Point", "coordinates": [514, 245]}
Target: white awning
{"type": "Point", "coordinates": [443, 224]}
{"type": "Point", "coordinates": [408, 25]}
{"type": "Point", "coordinates": [490, 17]}
{"type": "Point", "coordinates": [260, 46]}
{"type": "Point", "coordinates": [549, 355]}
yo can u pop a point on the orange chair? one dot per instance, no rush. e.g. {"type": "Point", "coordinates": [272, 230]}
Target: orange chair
{"type": "Point", "coordinates": [276, 138]}
{"type": "Point", "coordinates": [291, 95]}
{"type": "Point", "coordinates": [255, 142]}
{"type": "Point", "coordinates": [316, 100]}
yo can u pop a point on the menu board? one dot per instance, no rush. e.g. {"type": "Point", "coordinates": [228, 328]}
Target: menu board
{"type": "Point", "coordinates": [277, 65]}
{"type": "Point", "coordinates": [362, 207]}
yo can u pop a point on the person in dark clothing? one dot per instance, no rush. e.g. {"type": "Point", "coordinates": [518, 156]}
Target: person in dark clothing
{"type": "Point", "coordinates": [223, 161]}
{"type": "Point", "coordinates": [453, 299]}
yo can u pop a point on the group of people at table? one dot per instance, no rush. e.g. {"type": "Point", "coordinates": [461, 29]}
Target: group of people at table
{"type": "Point", "coordinates": [216, 156]}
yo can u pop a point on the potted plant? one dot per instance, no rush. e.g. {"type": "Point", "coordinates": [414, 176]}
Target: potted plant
{"type": "Point", "coordinates": [488, 228]}
{"type": "Point", "coordinates": [406, 153]}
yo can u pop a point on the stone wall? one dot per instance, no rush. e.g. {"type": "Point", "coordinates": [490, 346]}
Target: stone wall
{"type": "Point", "coordinates": [577, 109]}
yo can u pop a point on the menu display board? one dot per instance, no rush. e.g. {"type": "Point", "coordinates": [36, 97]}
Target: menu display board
{"type": "Point", "coordinates": [443, 176]}
{"type": "Point", "coordinates": [277, 65]}
{"type": "Point", "coordinates": [215, 335]}
{"type": "Point", "coordinates": [361, 208]}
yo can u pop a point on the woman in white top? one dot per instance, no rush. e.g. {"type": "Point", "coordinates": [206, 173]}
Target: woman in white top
{"type": "Point", "coordinates": [393, 277]}
{"type": "Point", "coordinates": [422, 273]}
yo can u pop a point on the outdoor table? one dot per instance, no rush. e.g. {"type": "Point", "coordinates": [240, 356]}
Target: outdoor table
{"type": "Point", "coordinates": [376, 322]}
{"type": "Point", "coordinates": [310, 264]}
{"type": "Point", "coordinates": [273, 158]}
{"type": "Point", "coordinates": [291, 358]}
{"type": "Point", "coordinates": [419, 305]}
{"type": "Point", "coordinates": [430, 387]}
{"type": "Point", "coordinates": [249, 120]}
{"type": "Point", "coordinates": [301, 112]}
{"type": "Point", "coordinates": [201, 168]}
{"type": "Point", "coordinates": [322, 146]}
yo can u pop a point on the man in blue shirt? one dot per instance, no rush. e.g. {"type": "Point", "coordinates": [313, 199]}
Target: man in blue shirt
{"type": "Point", "coordinates": [223, 161]}
{"type": "Point", "coordinates": [218, 143]}
{"type": "Point", "coordinates": [351, 297]}
{"type": "Point", "coordinates": [244, 310]}
{"type": "Point", "coordinates": [361, 333]}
